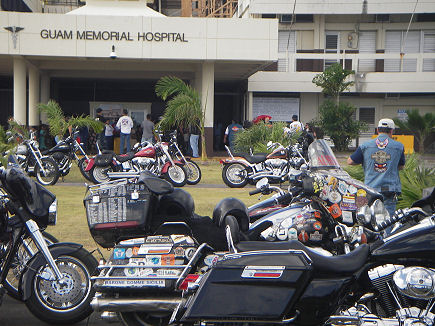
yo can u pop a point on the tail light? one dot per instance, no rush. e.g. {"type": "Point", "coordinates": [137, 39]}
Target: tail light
{"type": "Point", "coordinates": [221, 161]}
{"type": "Point", "coordinates": [190, 278]}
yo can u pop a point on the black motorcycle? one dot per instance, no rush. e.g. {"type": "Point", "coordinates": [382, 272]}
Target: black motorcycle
{"type": "Point", "coordinates": [67, 151]}
{"type": "Point", "coordinates": [55, 283]}
{"type": "Point", "coordinates": [30, 159]}
{"type": "Point", "coordinates": [185, 273]}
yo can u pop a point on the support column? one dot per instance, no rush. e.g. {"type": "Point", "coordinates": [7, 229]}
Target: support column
{"type": "Point", "coordinates": [250, 106]}
{"type": "Point", "coordinates": [33, 96]}
{"type": "Point", "coordinates": [45, 94]}
{"type": "Point", "coordinates": [20, 90]}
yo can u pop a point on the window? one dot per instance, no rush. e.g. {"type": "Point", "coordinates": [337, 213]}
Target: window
{"type": "Point", "coordinates": [429, 47]}
{"type": "Point", "coordinates": [332, 45]}
{"type": "Point", "coordinates": [286, 41]}
{"type": "Point", "coordinates": [268, 16]}
{"type": "Point", "coordinates": [367, 114]}
{"type": "Point", "coordinates": [400, 41]}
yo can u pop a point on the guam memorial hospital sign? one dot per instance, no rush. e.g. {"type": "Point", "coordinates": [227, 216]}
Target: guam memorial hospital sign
{"type": "Point", "coordinates": [112, 36]}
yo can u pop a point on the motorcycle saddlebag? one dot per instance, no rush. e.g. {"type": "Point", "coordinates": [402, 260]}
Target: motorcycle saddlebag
{"type": "Point", "coordinates": [103, 159]}
{"type": "Point", "coordinates": [119, 211]}
{"type": "Point", "coordinates": [251, 285]}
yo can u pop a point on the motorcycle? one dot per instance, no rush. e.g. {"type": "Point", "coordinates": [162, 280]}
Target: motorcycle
{"type": "Point", "coordinates": [145, 156]}
{"type": "Point", "coordinates": [55, 283]}
{"type": "Point", "coordinates": [173, 276]}
{"type": "Point", "coordinates": [65, 152]}
{"type": "Point", "coordinates": [239, 170]}
{"type": "Point", "coordinates": [29, 157]}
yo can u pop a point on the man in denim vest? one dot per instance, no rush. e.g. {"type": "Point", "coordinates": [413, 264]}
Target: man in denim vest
{"type": "Point", "coordinates": [382, 158]}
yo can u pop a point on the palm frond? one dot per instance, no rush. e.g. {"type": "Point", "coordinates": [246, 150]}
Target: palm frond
{"type": "Point", "coordinates": [55, 117]}
{"type": "Point", "coordinates": [169, 85]}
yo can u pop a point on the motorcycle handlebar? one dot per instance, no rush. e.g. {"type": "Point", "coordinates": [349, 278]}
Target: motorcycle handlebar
{"type": "Point", "coordinates": [254, 192]}
{"type": "Point", "coordinates": [399, 215]}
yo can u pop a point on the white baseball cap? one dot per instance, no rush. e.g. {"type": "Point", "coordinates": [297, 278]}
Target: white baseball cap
{"type": "Point", "coordinates": [386, 123]}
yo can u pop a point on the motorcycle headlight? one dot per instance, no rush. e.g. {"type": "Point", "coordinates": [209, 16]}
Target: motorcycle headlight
{"type": "Point", "coordinates": [363, 215]}
{"type": "Point", "coordinates": [416, 282]}
{"type": "Point", "coordinates": [52, 213]}
{"type": "Point", "coordinates": [378, 212]}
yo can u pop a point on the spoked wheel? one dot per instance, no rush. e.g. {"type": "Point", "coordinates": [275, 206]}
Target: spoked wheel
{"type": "Point", "coordinates": [144, 319]}
{"type": "Point", "coordinates": [26, 250]}
{"type": "Point", "coordinates": [68, 301]}
{"type": "Point", "coordinates": [82, 167]}
{"type": "Point", "coordinates": [193, 172]}
{"type": "Point", "coordinates": [51, 174]}
{"type": "Point", "coordinates": [234, 175]}
{"type": "Point", "coordinates": [99, 173]}
{"type": "Point", "coordinates": [176, 175]}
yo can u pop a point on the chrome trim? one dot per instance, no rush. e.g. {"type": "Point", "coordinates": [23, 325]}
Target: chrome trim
{"type": "Point", "coordinates": [268, 252]}
{"type": "Point", "coordinates": [134, 304]}
{"type": "Point", "coordinates": [189, 265]}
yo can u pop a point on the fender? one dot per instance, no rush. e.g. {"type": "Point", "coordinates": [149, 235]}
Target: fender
{"type": "Point", "coordinates": [240, 160]}
{"type": "Point", "coordinates": [56, 249]}
{"type": "Point", "coordinates": [168, 164]}
{"type": "Point", "coordinates": [90, 165]}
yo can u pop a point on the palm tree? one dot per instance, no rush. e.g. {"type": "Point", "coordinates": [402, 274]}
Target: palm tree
{"type": "Point", "coordinates": [184, 107]}
{"type": "Point", "coordinates": [59, 124]}
{"type": "Point", "coordinates": [420, 126]}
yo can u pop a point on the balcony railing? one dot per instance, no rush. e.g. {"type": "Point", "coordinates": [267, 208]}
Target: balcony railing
{"type": "Point", "coordinates": [359, 62]}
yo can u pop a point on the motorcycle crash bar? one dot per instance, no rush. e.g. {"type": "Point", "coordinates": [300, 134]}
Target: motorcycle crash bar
{"type": "Point", "coordinates": [157, 304]}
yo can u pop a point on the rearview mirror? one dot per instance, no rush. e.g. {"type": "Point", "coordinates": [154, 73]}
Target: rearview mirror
{"type": "Point", "coordinates": [262, 183]}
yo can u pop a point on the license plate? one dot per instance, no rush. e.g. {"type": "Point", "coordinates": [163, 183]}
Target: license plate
{"type": "Point", "coordinates": [134, 283]}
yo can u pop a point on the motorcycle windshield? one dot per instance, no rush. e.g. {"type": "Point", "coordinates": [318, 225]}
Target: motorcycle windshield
{"type": "Point", "coordinates": [32, 195]}
{"type": "Point", "coordinates": [321, 156]}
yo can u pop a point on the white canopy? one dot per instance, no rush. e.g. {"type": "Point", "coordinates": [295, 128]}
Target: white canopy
{"type": "Point", "coordinates": [116, 8]}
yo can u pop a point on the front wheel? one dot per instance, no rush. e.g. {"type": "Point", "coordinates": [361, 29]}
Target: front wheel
{"type": "Point", "coordinates": [144, 318]}
{"type": "Point", "coordinates": [82, 163]}
{"type": "Point", "coordinates": [99, 173]}
{"type": "Point", "coordinates": [51, 173]}
{"type": "Point", "coordinates": [68, 302]}
{"type": "Point", "coordinates": [176, 175]}
{"type": "Point", "coordinates": [193, 172]}
{"type": "Point", "coordinates": [235, 175]}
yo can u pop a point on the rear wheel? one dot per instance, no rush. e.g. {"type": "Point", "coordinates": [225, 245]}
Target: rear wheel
{"type": "Point", "coordinates": [82, 163]}
{"type": "Point", "coordinates": [193, 172]}
{"type": "Point", "coordinates": [235, 175]}
{"type": "Point", "coordinates": [50, 175]}
{"type": "Point", "coordinates": [176, 175]}
{"type": "Point", "coordinates": [99, 173]}
{"type": "Point", "coordinates": [144, 318]}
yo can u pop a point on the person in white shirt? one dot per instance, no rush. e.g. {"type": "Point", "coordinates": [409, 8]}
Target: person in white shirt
{"type": "Point", "coordinates": [295, 126]}
{"type": "Point", "coordinates": [108, 134]}
{"type": "Point", "coordinates": [125, 124]}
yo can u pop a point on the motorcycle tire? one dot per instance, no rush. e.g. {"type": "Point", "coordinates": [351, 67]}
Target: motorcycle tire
{"type": "Point", "coordinates": [99, 173]}
{"type": "Point", "coordinates": [176, 175]}
{"type": "Point", "coordinates": [67, 304]}
{"type": "Point", "coordinates": [193, 173]}
{"type": "Point", "coordinates": [144, 318]}
{"type": "Point", "coordinates": [231, 174]}
{"type": "Point", "coordinates": [52, 170]}
{"type": "Point", "coordinates": [23, 255]}
{"type": "Point", "coordinates": [82, 166]}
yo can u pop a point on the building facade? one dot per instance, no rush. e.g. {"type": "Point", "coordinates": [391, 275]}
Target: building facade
{"type": "Point", "coordinates": [389, 44]}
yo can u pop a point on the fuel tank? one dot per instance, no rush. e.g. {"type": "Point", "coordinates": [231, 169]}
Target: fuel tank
{"type": "Point", "coordinates": [278, 153]}
{"type": "Point", "coordinates": [146, 152]}
{"type": "Point", "coordinates": [414, 244]}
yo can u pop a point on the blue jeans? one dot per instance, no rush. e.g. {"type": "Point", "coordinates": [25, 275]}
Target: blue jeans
{"type": "Point", "coordinates": [194, 145]}
{"type": "Point", "coordinates": [390, 204]}
{"type": "Point", "coordinates": [125, 138]}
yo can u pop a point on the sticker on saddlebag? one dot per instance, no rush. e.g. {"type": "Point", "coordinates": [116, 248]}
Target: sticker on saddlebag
{"type": "Point", "coordinates": [263, 271]}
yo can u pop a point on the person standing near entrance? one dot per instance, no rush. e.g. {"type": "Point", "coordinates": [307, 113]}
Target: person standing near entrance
{"type": "Point", "coordinates": [108, 133]}
{"type": "Point", "coordinates": [125, 124]}
{"type": "Point", "coordinates": [382, 158]}
{"type": "Point", "coordinates": [101, 136]}
{"type": "Point", "coordinates": [148, 128]}
{"type": "Point", "coordinates": [295, 125]}
{"type": "Point", "coordinates": [194, 138]}
{"type": "Point", "coordinates": [230, 133]}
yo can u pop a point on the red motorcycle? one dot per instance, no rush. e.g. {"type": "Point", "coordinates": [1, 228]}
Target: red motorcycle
{"type": "Point", "coordinates": [107, 165]}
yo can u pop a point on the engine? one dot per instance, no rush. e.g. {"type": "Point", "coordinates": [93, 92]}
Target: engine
{"type": "Point", "coordinates": [275, 163]}
{"type": "Point", "coordinates": [403, 296]}
{"type": "Point", "coordinates": [144, 163]}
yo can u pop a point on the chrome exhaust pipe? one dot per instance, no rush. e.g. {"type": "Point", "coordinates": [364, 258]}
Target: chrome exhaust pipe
{"type": "Point", "coordinates": [121, 175]}
{"type": "Point", "coordinates": [158, 304]}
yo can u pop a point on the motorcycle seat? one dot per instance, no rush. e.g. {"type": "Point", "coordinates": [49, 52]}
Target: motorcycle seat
{"type": "Point", "coordinates": [342, 264]}
{"type": "Point", "coordinates": [254, 159]}
{"type": "Point", "coordinates": [125, 157]}
{"type": "Point", "coordinates": [107, 151]}
{"type": "Point", "coordinates": [154, 184]}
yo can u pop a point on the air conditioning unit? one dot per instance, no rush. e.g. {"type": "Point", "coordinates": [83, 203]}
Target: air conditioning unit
{"type": "Point", "coordinates": [382, 18]}
{"type": "Point", "coordinates": [285, 19]}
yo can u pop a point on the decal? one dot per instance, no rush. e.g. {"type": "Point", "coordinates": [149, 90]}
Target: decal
{"type": "Point", "coordinates": [299, 219]}
{"type": "Point", "coordinates": [119, 253]}
{"type": "Point", "coordinates": [318, 184]}
{"type": "Point", "coordinates": [361, 193]}
{"type": "Point", "coordinates": [303, 236]}
{"type": "Point", "coordinates": [347, 216]}
{"type": "Point", "coordinates": [150, 249]}
{"type": "Point", "coordinates": [158, 239]}
{"type": "Point", "coordinates": [168, 272]}
{"type": "Point", "coordinates": [135, 251]}
{"type": "Point", "coordinates": [317, 226]}
{"type": "Point", "coordinates": [179, 252]}
{"type": "Point", "coordinates": [335, 211]}
{"type": "Point", "coordinates": [282, 234]}
{"type": "Point", "coordinates": [129, 253]}
{"type": "Point", "coordinates": [132, 271]}
{"type": "Point", "coordinates": [342, 187]}
{"type": "Point", "coordinates": [352, 189]}
{"type": "Point", "coordinates": [211, 260]}
{"type": "Point", "coordinates": [168, 259]}
{"type": "Point", "coordinates": [325, 193]}
{"type": "Point", "coordinates": [292, 234]}
{"type": "Point", "coordinates": [132, 241]}
{"type": "Point", "coordinates": [348, 203]}
{"type": "Point", "coordinates": [190, 252]}
{"type": "Point", "coordinates": [332, 182]}
{"type": "Point", "coordinates": [316, 236]}
{"type": "Point", "coordinates": [380, 158]}
{"type": "Point", "coordinates": [181, 238]}
{"type": "Point", "coordinates": [134, 283]}
{"type": "Point", "coordinates": [334, 197]}
{"type": "Point", "coordinates": [263, 271]}
{"type": "Point", "coordinates": [154, 260]}
{"type": "Point", "coordinates": [179, 261]}
{"type": "Point", "coordinates": [361, 201]}
{"type": "Point", "coordinates": [317, 215]}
